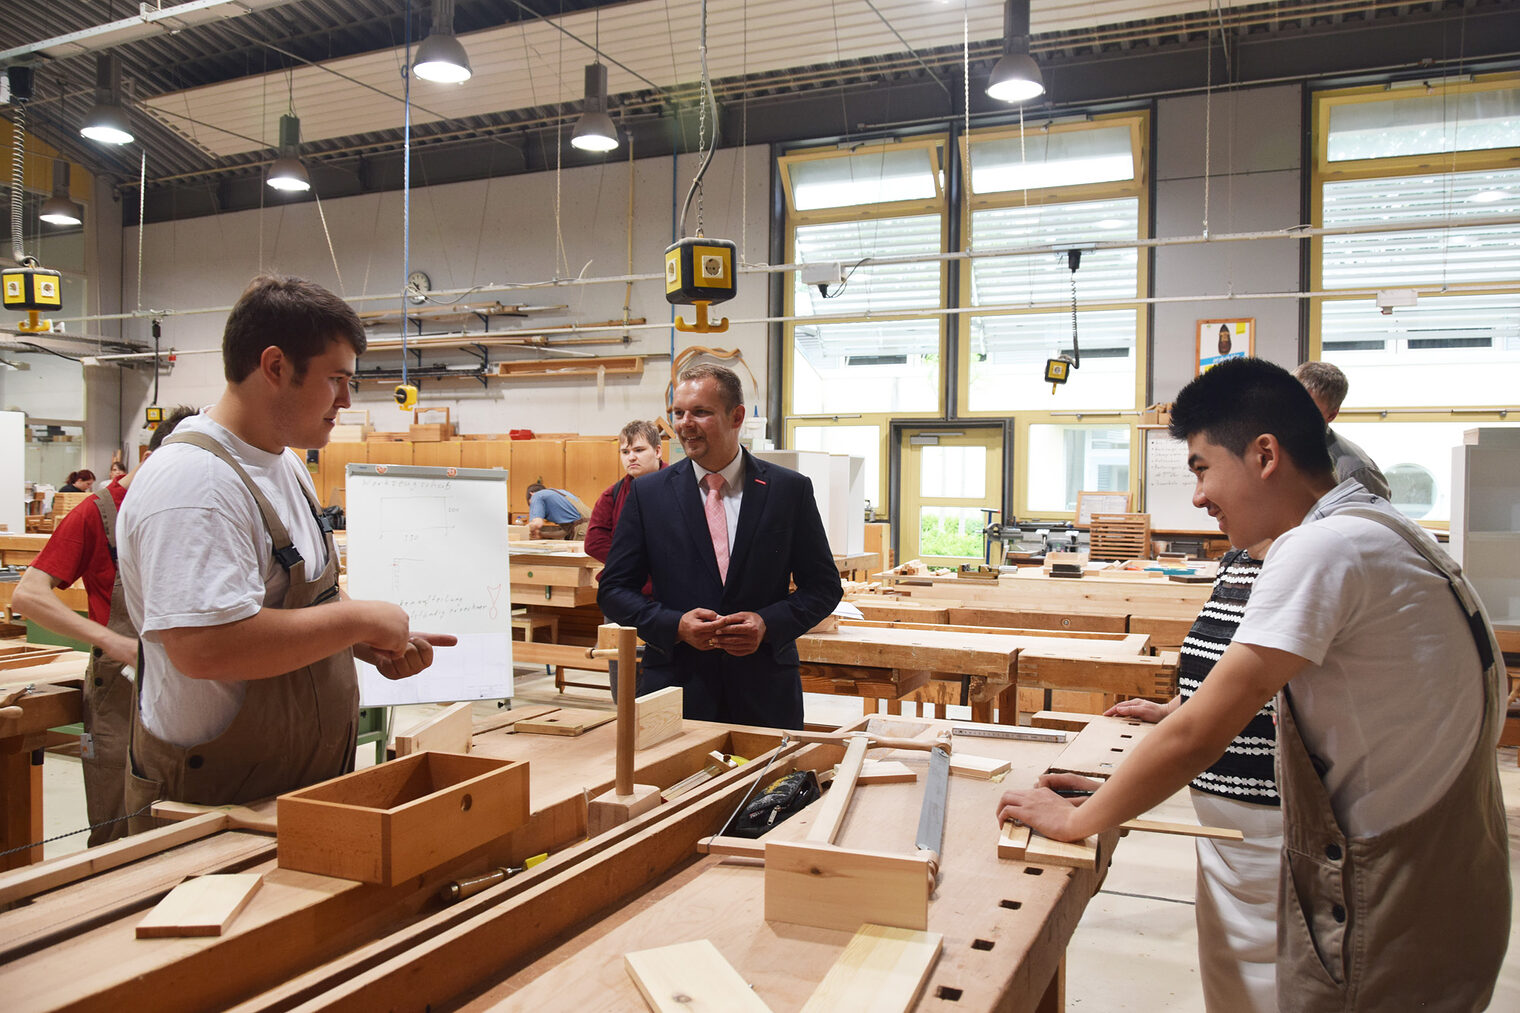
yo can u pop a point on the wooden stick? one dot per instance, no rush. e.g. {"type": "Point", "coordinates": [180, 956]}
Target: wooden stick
{"type": "Point", "coordinates": [1183, 830]}
{"type": "Point", "coordinates": [831, 816]}
{"type": "Point", "coordinates": [29, 882]}
{"type": "Point", "coordinates": [877, 741]}
{"type": "Point", "coordinates": [627, 723]}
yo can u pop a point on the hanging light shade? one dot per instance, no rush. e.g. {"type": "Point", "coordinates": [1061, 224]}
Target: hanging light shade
{"type": "Point", "coordinates": [595, 131]}
{"type": "Point", "coordinates": [441, 58]}
{"type": "Point", "coordinates": [1015, 77]}
{"type": "Point", "coordinates": [60, 208]}
{"type": "Point", "coordinates": [107, 121]}
{"type": "Point", "coordinates": [286, 172]}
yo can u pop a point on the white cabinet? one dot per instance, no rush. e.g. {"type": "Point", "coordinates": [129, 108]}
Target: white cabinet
{"type": "Point", "coordinates": [838, 488]}
{"type": "Point", "coordinates": [1485, 518]}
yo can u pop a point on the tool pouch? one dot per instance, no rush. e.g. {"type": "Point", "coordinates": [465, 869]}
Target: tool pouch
{"type": "Point", "coordinates": [779, 800]}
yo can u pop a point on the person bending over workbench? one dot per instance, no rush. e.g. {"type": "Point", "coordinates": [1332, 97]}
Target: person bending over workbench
{"type": "Point", "coordinates": [246, 685]}
{"type": "Point", "coordinates": [1395, 881]}
{"type": "Point", "coordinates": [555, 513]}
{"type": "Point", "coordinates": [83, 546]}
{"type": "Point", "coordinates": [723, 535]}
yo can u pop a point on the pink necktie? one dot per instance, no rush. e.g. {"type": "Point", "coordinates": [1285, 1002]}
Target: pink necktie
{"type": "Point", "coordinates": [717, 521]}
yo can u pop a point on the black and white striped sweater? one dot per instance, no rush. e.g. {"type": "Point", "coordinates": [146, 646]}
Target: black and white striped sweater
{"type": "Point", "coordinates": [1245, 771]}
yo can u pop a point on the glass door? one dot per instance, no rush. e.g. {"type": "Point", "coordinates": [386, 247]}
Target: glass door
{"type": "Point", "coordinates": [948, 479]}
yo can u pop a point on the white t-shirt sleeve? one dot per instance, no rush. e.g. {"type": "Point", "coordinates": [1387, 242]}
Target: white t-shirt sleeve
{"type": "Point", "coordinates": [198, 567]}
{"type": "Point", "coordinates": [1311, 586]}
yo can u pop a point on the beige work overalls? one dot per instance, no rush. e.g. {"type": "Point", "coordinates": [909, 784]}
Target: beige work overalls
{"type": "Point", "coordinates": [1416, 917]}
{"type": "Point", "coordinates": [107, 711]}
{"type": "Point", "coordinates": [292, 730]}
{"type": "Point", "coordinates": [575, 529]}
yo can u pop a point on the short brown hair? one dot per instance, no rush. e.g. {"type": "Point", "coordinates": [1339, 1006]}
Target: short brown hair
{"type": "Point", "coordinates": [640, 427]}
{"type": "Point", "coordinates": [296, 316]}
{"type": "Point", "coordinates": [166, 427]}
{"type": "Point", "coordinates": [727, 380]}
{"type": "Point", "coordinates": [1324, 379]}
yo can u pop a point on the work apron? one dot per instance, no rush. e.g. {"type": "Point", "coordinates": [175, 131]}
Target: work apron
{"type": "Point", "coordinates": [1415, 917]}
{"type": "Point", "coordinates": [291, 731]}
{"type": "Point", "coordinates": [107, 712]}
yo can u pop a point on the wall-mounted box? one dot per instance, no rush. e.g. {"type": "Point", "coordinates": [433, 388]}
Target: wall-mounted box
{"type": "Point", "coordinates": [401, 819]}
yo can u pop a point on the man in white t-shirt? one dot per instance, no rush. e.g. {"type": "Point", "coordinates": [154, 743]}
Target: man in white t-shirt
{"type": "Point", "coordinates": [1395, 890]}
{"type": "Point", "coordinates": [246, 686]}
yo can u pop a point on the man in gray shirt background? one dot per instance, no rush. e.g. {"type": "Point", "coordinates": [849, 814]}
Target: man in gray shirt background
{"type": "Point", "coordinates": [1327, 385]}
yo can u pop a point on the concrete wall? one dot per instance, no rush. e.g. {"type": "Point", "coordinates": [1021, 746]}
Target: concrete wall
{"type": "Point", "coordinates": [1254, 173]}
{"type": "Point", "coordinates": [463, 235]}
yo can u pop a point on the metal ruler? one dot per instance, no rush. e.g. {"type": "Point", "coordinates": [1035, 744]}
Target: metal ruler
{"type": "Point", "coordinates": [1010, 732]}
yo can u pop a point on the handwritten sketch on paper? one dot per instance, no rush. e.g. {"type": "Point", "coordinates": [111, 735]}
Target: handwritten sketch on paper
{"type": "Point", "coordinates": [434, 541]}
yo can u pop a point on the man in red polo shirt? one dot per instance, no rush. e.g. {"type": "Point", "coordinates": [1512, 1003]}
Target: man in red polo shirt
{"type": "Point", "coordinates": [83, 547]}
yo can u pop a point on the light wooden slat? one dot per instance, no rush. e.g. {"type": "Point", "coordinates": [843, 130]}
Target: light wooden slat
{"type": "Point", "coordinates": [691, 978]}
{"type": "Point", "coordinates": [447, 731]}
{"type": "Point", "coordinates": [882, 970]}
{"type": "Point", "coordinates": [204, 906]}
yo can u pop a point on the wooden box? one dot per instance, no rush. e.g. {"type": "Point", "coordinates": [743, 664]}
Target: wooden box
{"type": "Point", "coordinates": [431, 432]}
{"type": "Point", "coordinates": [401, 819]}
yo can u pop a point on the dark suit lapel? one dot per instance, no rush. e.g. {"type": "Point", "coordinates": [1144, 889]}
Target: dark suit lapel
{"type": "Point", "coordinates": [751, 510]}
{"type": "Point", "coordinates": [688, 497]}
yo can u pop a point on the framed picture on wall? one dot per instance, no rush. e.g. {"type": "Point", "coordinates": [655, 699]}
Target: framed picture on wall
{"type": "Point", "coordinates": [1219, 340]}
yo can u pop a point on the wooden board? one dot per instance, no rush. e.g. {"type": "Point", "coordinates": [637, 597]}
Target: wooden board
{"type": "Point", "coordinates": [535, 461]}
{"type": "Point", "coordinates": [437, 454]}
{"type": "Point", "coordinates": [657, 716]}
{"type": "Point", "coordinates": [886, 772]}
{"type": "Point", "coordinates": [1075, 854]}
{"type": "Point", "coordinates": [1013, 840]}
{"type": "Point", "coordinates": [591, 466]}
{"type": "Point", "coordinates": [203, 906]}
{"type": "Point", "coordinates": [833, 888]}
{"type": "Point", "coordinates": [565, 721]}
{"type": "Point", "coordinates": [882, 970]}
{"type": "Point", "coordinates": [982, 768]}
{"type": "Point", "coordinates": [691, 978]}
{"type": "Point", "coordinates": [1099, 748]}
{"type": "Point", "coordinates": [447, 731]}
{"type": "Point", "coordinates": [1097, 673]}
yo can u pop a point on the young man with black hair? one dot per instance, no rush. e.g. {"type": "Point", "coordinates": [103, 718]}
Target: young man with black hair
{"type": "Point", "coordinates": [1395, 885]}
{"type": "Point", "coordinates": [246, 684]}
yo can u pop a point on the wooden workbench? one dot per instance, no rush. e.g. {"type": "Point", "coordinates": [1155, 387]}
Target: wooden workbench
{"type": "Point", "coordinates": [57, 700]}
{"type": "Point", "coordinates": [1031, 589]}
{"type": "Point", "coordinates": [17, 549]}
{"type": "Point", "coordinates": [971, 666]}
{"type": "Point", "coordinates": [308, 941]}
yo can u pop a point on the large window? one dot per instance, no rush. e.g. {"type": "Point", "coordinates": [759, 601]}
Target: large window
{"type": "Point", "coordinates": [1421, 303]}
{"type": "Point", "coordinates": [867, 344]}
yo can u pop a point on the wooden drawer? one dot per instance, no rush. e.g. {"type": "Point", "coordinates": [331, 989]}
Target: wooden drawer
{"type": "Point", "coordinates": [401, 819]}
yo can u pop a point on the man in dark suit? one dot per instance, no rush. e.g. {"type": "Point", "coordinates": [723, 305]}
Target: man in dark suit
{"type": "Point", "coordinates": [723, 536]}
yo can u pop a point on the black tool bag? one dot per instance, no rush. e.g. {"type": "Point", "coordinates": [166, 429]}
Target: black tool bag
{"type": "Point", "coordinates": [776, 803]}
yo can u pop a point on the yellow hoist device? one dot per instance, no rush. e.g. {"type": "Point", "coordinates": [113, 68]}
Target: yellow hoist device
{"type": "Point", "coordinates": [34, 289]}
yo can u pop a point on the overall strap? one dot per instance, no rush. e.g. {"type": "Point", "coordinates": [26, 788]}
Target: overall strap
{"type": "Point", "coordinates": [106, 503]}
{"type": "Point", "coordinates": [1446, 566]}
{"type": "Point", "coordinates": [285, 551]}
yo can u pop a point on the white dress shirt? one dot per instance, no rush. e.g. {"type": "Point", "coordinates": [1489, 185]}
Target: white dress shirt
{"type": "Point", "coordinates": [733, 493]}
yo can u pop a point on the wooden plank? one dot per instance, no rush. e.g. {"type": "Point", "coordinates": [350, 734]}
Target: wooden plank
{"type": "Point", "coordinates": [830, 814]}
{"type": "Point", "coordinates": [22, 883]}
{"type": "Point", "coordinates": [691, 978]}
{"type": "Point", "coordinates": [591, 465]}
{"type": "Point", "coordinates": [1165, 633]}
{"type": "Point", "coordinates": [988, 614]}
{"type": "Point", "coordinates": [203, 906]}
{"type": "Point", "coordinates": [565, 721]}
{"type": "Point", "coordinates": [981, 768]}
{"type": "Point", "coordinates": [1097, 673]}
{"type": "Point", "coordinates": [447, 731]}
{"type": "Point", "coordinates": [834, 888]}
{"type": "Point", "coordinates": [567, 655]}
{"type": "Point", "coordinates": [1099, 748]}
{"type": "Point", "coordinates": [657, 717]}
{"type": "Point", "coordinates": [882, 970]}
{"type": "Point", "coordinates": [507, 718]}
{"type": "Point", "coordinates": [1013, 840]}
{"type": "Point", "coordinates": [1183, 829]}
{"type": "Point", "coordinates": [1075, 854]}
{"type": "Point", "coordinates": [1064, 720]}
{"type": "Point", "coordinates": [886, 772]}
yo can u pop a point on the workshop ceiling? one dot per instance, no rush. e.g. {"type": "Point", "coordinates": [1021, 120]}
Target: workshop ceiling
{"type": "Point", "coordinates": [209, 79]}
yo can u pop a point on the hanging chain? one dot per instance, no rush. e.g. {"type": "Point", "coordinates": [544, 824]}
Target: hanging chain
{"type": "Point", "coordinates": [702, 115]}
{"type": "Point", "coordinates": [1074, 310]}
